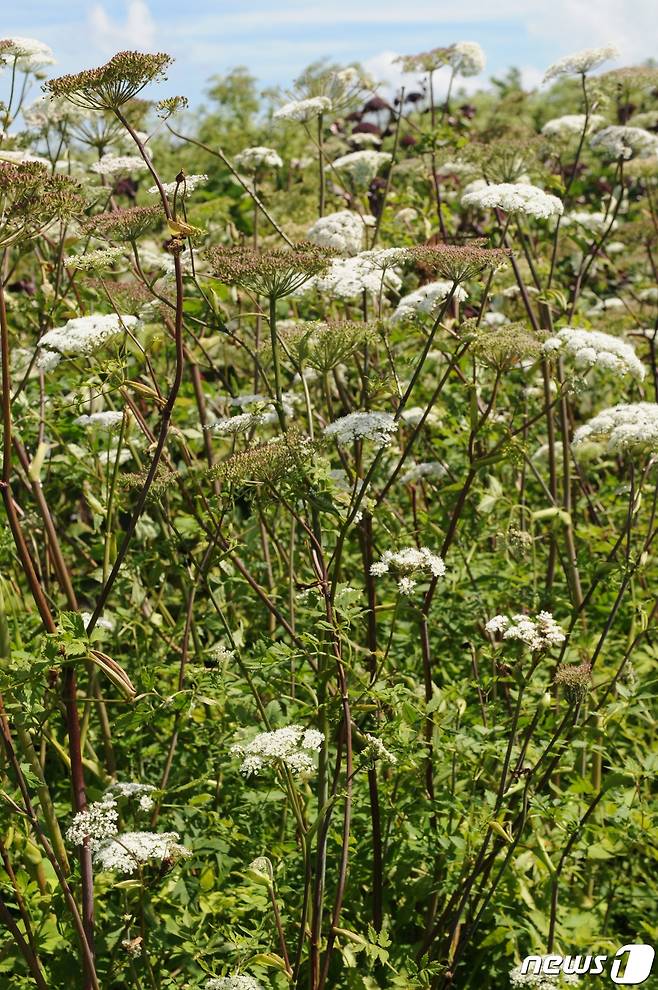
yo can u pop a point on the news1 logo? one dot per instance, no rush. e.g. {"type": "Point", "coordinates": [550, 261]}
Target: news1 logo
{"type": "Point", "coordinates": [630, 965]}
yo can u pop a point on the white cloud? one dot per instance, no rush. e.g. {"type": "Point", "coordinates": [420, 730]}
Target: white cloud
{"type": "Point", "coordinates": [136, 31]}
{"type": "Point", "coordinates": [576, 24]}
{"type": "Point", "coordinates": [531, 77]}
{"type": "Point", "coordinates": [567, 25]}
{"type": "Point", "coordinates": [384, 71]}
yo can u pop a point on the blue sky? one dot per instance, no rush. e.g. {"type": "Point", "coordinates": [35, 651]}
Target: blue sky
{"type": "Point", "coordinates": [275, 40]}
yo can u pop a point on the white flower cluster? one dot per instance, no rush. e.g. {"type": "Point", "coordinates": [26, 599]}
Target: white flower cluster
{"type": "Point", "coordinates": [260, 411]}
{"type": "Point", "coordinates": [22, 156]}
{"type": "Point", "coordinates": [540, 981]}
{"type": "Point", "coordinates": [101, 623]}
{"type": "Point", "coordinates": [407, 214]}
{"type": "Point", "coordinates": [571, 125]}
{"type": "Point", "coordinates": [221, 654]}
{"type": "Point", "coordinates": [378, 427]}
{"type": "Point", "coordinates": [141, 793]}
{"type": "Point", "coordinates": [580, 62]}
{"type": "Point", "coordinates": [362, 138]}
{"type": "Point", "coordinates": [343, 231]}
{"type": "Point", "coordinates": [291, 746]}
{"type": "Point", "coordinates": [303, 110]}
{"type": "Point", "coordinates": [409, 560]}
{"type": "Point", "coordinates": [108, 420]}
{"type": "Point", "coordinates": [96, 823]}
{"type": "Point", "coordinates": [252, 159]}
{"type": "Point", "coordinates": [467, 58]}
{"type": "Point", "coordinates": [376, 750]}
{"type": "Point", "coordinates": [425, 470]}
{"type": "Point", "coordinates": [515, 197]}
{"type": "Point", "coordinates": [495, 319]}
{"type": "Point", "coordinates": [594, 349]}
{"type": "Point", "coordinates": [627, 426]}
{"type": "Point", "coordinates": [413, 415]}
{"type": "Point", "coordinates": [232, 426]}
{"type": "Point", "coordinates": [594, 223]}
{"type": "Point", "coordinates": [93, 261]}
{"type": "Point", "coordinates": [81, 335]}
{"type": "Point", "coordinates": [622, 141]}
{"type": "Point", "coordinates": [648, 118]}
{"type": "Point", "coordinates": [191, 183]}
{"type": "Point", "coordinates": [609, 305]}
{"type": "Point", "coordinates": [348, 278]}
{"type": "Point", "coordinates": [538, 634]}
{"type": "Point", "coordinates": [126, 852]}
{"type": "Point", "coordinates": [426, 299]}
{"type": "Point", "coordinates": [237, 982]}
{"type": "Point", "coordinates": [49, 110]}
{"type": "Point", "coordinates": [119, 165]}
{"type": "Point", "coordinates": [361, 167]}
{"type": "Point", "coordinates": [29, 53]}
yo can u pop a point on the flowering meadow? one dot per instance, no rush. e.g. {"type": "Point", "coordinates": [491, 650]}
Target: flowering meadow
{"type": "Point", "coordinates": [328, 587]}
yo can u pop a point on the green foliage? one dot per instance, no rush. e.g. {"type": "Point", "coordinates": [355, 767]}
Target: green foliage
{"type": "Point", "coordinates": [225, 626]}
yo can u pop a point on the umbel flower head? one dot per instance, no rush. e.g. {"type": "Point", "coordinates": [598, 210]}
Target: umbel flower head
{"type": "Point", "coordinates": [109, 420]}
{"type": "Point", "coordinates": [253, 160]}
{"type": "Point", "coordinates": [124, 852]}
{"type": "Point", "coordinates": [239, 981]}
{"type": "Point", "coordinates": [428, 61]}
{"type": "Point", "coordinates": [128, 851]}
{"type": "Point", "coordinates": [368, 271]}
{"type": "Point", "coordinates": [498, 160]}
{"type": "Point", "coordinates": [123, 225]}
{"type": "Point", "coordinates": [377, 427]}
{"type": "Point", "coordinates": [111, 85]}
{"type": "Point", "coordinates": [92, 261]}
{"type": "Point", "coordinates": [466, 58]}
{"type": "Point", "coordinates": [115, 165]}
{"type": "Point", "coordinates": [458, 263]}
{"type": "Point", "coordinates": [410, 560]}
{"type": "Point", "coordinates": [266, 463]}
{"type": "Point", "coordinates": [538, 634]}
{"type": "Point", "coordinates": [303, 110]}
{"type": "Point", "coordinates": [360, 167]}
{"type": "Point", "coordinates": [581, 62]}
{"type": "Point", "coordinates": [571, 125]}
{"type": "Point", "coordinates": [273, 273]}
{"type": "Point", "coordinates": [515, 197]}
{"type": "Point", "coordinates": [28, 54]}
{"type": "Point", "coordinates": [339, 89]}
{"type": "Point", "coordinates": [343, 231]}
{"type": "Point", "coordinates": [31, 198]}
{"type": "Point", "coordinates": [619, 141]}
{"type": "Point", "coordinates": [81, 336]}
{"type": "Point", "coordinates": [624, 427]}
{"type": "Point", "coordinates": [594, 349]}
{"type": "Point", "coordinates": [575, 679]}
{"type": "Point", "coordinates": [171, 105]}
{"type": "Point", "coordinates": [504, 346]}
{"type": "Point", "coordinates": [425, 300]}
{"type": "Point", "coordinates": [376, 750]}
{"type": "Point", "coordinates": [291, 747]}
{"type": "Point", "coordinates": [324, 345]}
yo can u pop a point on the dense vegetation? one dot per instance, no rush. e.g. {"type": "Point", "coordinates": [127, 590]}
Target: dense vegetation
{"type": "Point", "coordinates": [328, 594]}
